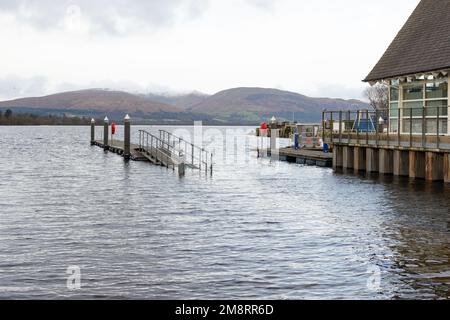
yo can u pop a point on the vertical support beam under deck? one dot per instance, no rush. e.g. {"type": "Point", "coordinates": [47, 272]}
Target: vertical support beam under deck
{"type": "Point", "coordinates": [417, 164]}
{"type": "Point", "coordinates": [434, 166]}
{"type": "Point", "coordinates": [347, 157]}
{"type": "Point", "coordinates": [359, 158]}
{"type": "Point", "coordinates": [447, 167]}
{"type": "Point", "coordinates": [401, 163]}
{"type": "Point", "coordinates": [386, 161]}
{"type": "Point", "coordinates": [372, 160]}
{"type": "Point", "coordinates": [337, 157]}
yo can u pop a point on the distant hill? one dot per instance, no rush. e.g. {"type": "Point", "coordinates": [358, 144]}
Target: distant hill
{"type": "Point", "coordinates": [255, 104]}
{"type": "Point", "coordinates": [93, 99]}
{"type": "Point", "coordinates": [183, 101]}
{"type": "Point", "coordinates": [234, 106]}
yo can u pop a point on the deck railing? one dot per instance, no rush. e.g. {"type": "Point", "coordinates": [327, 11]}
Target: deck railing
{"type": "Point", "coordinates": [415, 128]}
{"type": "Point", "coordinates": [196, 155]}
{"type": "Point", "coordinates": [164, 150]}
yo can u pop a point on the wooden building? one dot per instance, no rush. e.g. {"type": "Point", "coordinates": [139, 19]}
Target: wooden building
{"type": "Point", "coordinates": [412, 137]}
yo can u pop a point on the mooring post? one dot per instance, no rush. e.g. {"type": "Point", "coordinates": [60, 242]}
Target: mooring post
{"type": "Point", "coordinates": [127, 138]}
{"type": "Point", "coordinates": [182, 166]}
{"type": "Point", "coordinates": [105, 133]}
{"type": "Point", "coordinates": [92, 131]}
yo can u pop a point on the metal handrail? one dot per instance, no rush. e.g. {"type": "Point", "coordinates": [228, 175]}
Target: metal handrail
{"type": "Point", "coordinates": [203, 154]}
{"type": "Point", "coordinates": [166, 152]}
{"type": "Point", "coordinates": [412, 122]}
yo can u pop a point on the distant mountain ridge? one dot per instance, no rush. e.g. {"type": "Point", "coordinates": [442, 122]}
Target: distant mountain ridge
{"type": "Point", "coordinates": [93, 99]}
{"type": "Point", "coordinates": [232, 106]}
{"type": "Point", "coordinates": [265, 102]}
{"type": "Point", "coordinates": [183, 101]}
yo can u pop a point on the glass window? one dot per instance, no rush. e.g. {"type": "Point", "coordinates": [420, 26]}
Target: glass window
{"type": "Point", "coordinates": [432, 129]}
{"type": "Point", "coordinates": [416, 126]}
{"type": "Point", "coordinates": [394, 110]}
{"type": "Point", "coordinates": [393, 124]}
{"type": "Point", "coordinates": [436, 90]}
{"type": "Point", "coordinates": [433, 106]}
{"type": "Point", "coordinates": [394, 94]}
{"type": "Point", "coordinates": [413, 92]}
{"type": "Point", "coordinates": [415, 107]}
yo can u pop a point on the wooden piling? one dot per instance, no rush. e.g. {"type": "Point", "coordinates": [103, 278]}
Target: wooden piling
{"type": "Point", "coordinates": [447, 167]}
{"type": "Point", "coordinates": [347, 157]}
{"type": "Point", "coordinates": [401, 163]}
{"type": "Point", "coordinates": [359, 157]}
{"type": "Point", "coordinates": [417, 165]}
{"type": "Point", "coordinates": [92, 131]}
{"type": "Point", "coordinates": [127, 137]}
{"type": "Point", "coordinates": [372, 160]}
{"type": "Point", "coordinates": [386, 165]}
{"type": "Point", "coordinates": [105, 133]}
{"type": "Point", "coordinates": [434, 166]}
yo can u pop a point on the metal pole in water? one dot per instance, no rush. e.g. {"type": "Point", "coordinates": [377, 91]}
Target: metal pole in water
{"type": "Point", "coordinates": [105, 133]}
{"type": "Point", "coordinates": [182, 166]}
{"type": "Point", "coordinates": [127, 138]}
{"type": "Point", "coordinates": [92, 131]}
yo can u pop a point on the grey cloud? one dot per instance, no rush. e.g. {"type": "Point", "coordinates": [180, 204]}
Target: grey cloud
{"type": "Point", "coordinates": [113, 16]}
{"type": "Point", "coordinates": [334, 90]}
{"type": "Point", "coordinates": [12, 87]}
{"type": "Point", "coordinates": [263, 4]}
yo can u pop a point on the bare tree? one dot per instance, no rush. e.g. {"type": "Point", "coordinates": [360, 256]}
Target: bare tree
{"type": "Point", "coordinates": [378, 96]}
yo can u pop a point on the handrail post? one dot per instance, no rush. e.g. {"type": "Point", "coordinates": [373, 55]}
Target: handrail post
{"type": "Point", "coordinates": [388, 136]}
{"type": "Point", "coordinates": [410, 127]}
{"type": "Point", "coordinates": [367, 127]}
{"type": "Point", "coordinates": [399, 124]}
{"type": "Point", "coordinates": [424, 128]}
{"type": "Point", "coordinates": [377, 126]}
{"type": "Point", "coordinates": [438, 144]}
{"type": "Point", "coordinates": [357, 125]}
{"type": "Point", "coordinates": [340, 126]}
{"type": "Point", "coordinates": [323, 125]}
{"type": "Point", "coordinates": [331, 126]}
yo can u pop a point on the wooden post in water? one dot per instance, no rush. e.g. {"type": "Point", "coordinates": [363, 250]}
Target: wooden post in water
{"type": "Point", "coordinates": [127, 138]}
{"type": "Point", "coordinates": [92, 131]}
{"type": "Point", "coordinates": [105, 133]}
{"type": "Point", "coordinates": [182, 166]}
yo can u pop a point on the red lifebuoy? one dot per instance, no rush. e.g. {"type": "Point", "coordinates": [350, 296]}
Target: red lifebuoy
{"type": "Point", "coordinates": [113, 128]}
{"type": "Point", "coordinates": [264, 126]}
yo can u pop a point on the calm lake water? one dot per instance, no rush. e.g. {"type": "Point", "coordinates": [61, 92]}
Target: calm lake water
{"type": "Point", "coordinates": [255, 229]}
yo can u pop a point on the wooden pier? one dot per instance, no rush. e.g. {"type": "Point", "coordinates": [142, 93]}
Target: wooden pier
{"type": "Point", "coordinates": [419, 154]}
{"type": "Point", "coordinates": [166, 150]}
{"type": "Point", "coordinates": [310, 157]}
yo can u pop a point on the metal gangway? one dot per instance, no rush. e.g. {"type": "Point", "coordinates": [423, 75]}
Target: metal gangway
{"type": "Point", "coordinates": [174, 152]}
{"type": "Point", "coordinates": [195, 156]}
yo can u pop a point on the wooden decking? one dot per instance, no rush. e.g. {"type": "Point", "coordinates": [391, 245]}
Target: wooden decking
{"type": "Point", "coordinates": [117, 147]}
{"type": "Point", "coordinates": [312, 157]}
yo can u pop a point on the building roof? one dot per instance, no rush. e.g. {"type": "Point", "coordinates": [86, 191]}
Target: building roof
{"type": "Point", "coordinates": [422, 45]}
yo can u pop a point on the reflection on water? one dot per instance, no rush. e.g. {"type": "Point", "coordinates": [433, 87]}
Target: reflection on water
{"type": "Point", "coordinates": [255, 229]}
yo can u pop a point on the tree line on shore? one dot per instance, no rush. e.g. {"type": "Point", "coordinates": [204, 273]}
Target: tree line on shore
{"type": "Point", "coordinates": [10, 118]}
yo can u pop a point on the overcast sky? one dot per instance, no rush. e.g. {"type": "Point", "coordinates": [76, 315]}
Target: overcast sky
{"type": "Point", "coordinates": [318, 48]}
